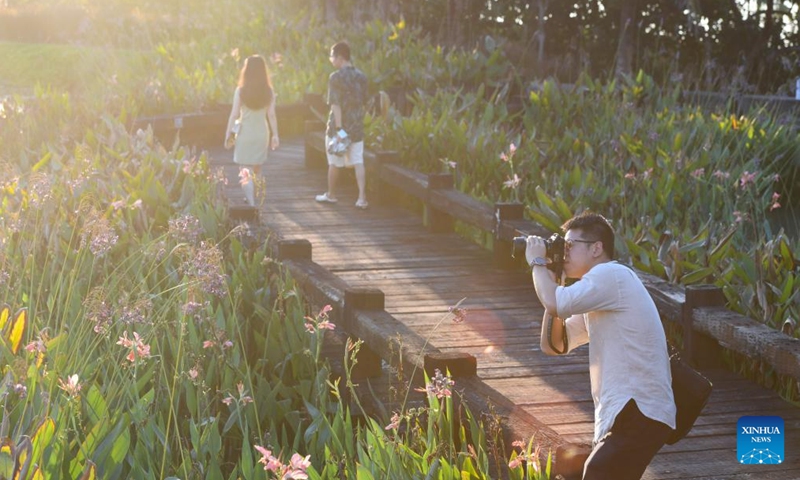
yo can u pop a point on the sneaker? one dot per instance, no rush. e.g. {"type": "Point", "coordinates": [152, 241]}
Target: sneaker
{"type": "Point", "coordinates": [362, 204]}
{"type": "Point", "coordinates": [324, 198]}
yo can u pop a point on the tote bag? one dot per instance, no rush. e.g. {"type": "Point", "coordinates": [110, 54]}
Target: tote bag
{"type": "Point", "coordinates": [691, 391]}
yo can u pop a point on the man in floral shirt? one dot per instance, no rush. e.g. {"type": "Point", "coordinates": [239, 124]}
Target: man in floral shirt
{"type": "Point", "coordinates": [347, 96]}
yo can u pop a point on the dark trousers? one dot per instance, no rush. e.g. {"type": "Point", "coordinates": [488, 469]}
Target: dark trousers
{"type": "Point", "coordinates": [625, 452]}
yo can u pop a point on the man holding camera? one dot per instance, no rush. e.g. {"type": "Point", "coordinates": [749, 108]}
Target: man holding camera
{"type": "Point", "coordinates": [347, 95]}
{"type": "Point", "coordinates": [628, 360]}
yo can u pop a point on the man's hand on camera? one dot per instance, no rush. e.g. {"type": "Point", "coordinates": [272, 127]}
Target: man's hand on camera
{"type": "Point", "coordinates": [536, 248]}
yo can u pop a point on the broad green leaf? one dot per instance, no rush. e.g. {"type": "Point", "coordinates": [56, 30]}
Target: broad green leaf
{"type": "Point", "coordinates": [246, 462]}
{"type": "Point", "coordinates": [788, 289]}
{"type": "Point", "coordinates": [720, 248]}
{"type": "Point", "coordinates": [697, 276]}
{"type": "Point", "coordinates": [23, 460]}
{"type": "Point", "coordinates": [88, 447]}
{"type": "Point", "coordinates": [42, 438]}
{"type": "Point", "coordinates": [5, 314]}
{"type": "Point", "coordinates": [362, 473]}
{"type": "Point", "coordinates": [89, 472]}
{"type": "Point", "coordinates": [543, 198]}
{"type": "Point", "coordinates": [677, 142]}
{"type": "Point", "coordinates": [7, 457]}
{"type": "Point", "coordinates": [96, 407]}
{"type": "Point", "coordinates": [16, 329]}
{"type": "Point", "coordinates": [42, 162]}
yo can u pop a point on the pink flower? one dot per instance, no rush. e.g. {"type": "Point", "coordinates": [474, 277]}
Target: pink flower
{"type": "Point", "coordinates": [775, 204]}
{"type": "Point", "coordinates": [193, 373]}
{"type": "Point", "coordinates": [209, 343]}
{"type": "Point", "coordinates": [532, 458]}
{"type": "Point", "coordinates": [310, 328]}
{"type": "Point", "coordinates": [139, 350]}
{"type": "Point", "coordinates": [459, 314]}
{"type": "Point", "coordinates": [326, 325]}
{"type": "Point", "coordinates": [720, 175]}
{"type": "Point", "coordinates": [747, 178]}
{"type": "Point", "coordinates": [440, 385]}
{"type": "Point", "coordinates": [394, 423]}
{"type": "Point", "coordinates": [265, 454]}
{"type": "Point", "coordinates": [698, 173]}
{"type": "Point", "coordinates": [296, 469]}
{"type": "Point", "coordinates": [512, 149]}
{"type": "Point", "coordinates": [630, 175]}
{"type": "Point", "coordinates": [244, 176]}
{"type": "Point", "coordinates": [137, 204]}
{"type": "Point", "coordinates": [299, 462]}
{"type": "Point", "coordinates": [71, 386]}
{"type": "Point", "coordinates": [512, 182]}
{"type": "Point", "coordinates": [36, 346]}
{"type": "Point", "coordinates": [273, 465]}
{"type": "Point", "coordinates": [118, 204]}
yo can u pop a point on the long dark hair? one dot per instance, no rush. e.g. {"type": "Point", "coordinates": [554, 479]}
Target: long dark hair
{"type": "Point", "coordinates": [255, 87]}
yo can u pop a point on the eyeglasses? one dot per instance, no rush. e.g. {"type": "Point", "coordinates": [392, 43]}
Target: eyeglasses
{"type": "Point", "coordinates": [571, 242]}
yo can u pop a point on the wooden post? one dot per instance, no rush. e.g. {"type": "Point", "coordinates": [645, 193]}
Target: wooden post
{"type": "Point", "coordinates": [439, 221]}
{"type": "Point", "coordinates": [243, 213]}
{"type": "Point", "coordinates": [699, 349]}
{"type": "Point", "coordinates": [569, 460]}
{"type": "Point", "coordinates": [294, 249]}
{"type": "Point", "coordinates": [504, 246]}
{"type": "Point", "coordinates": [369, 363]}
{"type": "Point", "coordinates": [459, 364]}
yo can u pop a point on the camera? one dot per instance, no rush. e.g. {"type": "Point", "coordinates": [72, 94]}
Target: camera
{"type": "Point", "coordinates": [339, 144]}
{"type": "Point", "coordinates": [554, 250]}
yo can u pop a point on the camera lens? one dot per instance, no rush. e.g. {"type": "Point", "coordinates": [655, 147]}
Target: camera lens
{"type": "Point", "coordinates": [519, 246]}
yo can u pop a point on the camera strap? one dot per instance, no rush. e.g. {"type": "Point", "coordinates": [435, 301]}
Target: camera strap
{"type": "Point", "coordinates": [564, 336]}
{"type": "Point", "coordinates": [565, 347]}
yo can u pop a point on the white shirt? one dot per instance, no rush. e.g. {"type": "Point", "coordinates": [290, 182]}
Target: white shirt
{"type": "Point", "coordinates": [628, 356]}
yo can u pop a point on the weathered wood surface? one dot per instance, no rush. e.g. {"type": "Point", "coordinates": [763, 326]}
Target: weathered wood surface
{"type": "Point", "coordinates": [422, 274]}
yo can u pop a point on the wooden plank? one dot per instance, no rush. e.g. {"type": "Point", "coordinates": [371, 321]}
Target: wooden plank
{"type": "Point", "coordinates": [409, 181]}
{"type": "Point", "coordinates": [754, 340]}
{"type": "Point", "coordinates": [465, 208]}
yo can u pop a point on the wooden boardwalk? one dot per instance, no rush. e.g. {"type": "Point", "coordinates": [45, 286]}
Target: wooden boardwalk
{"type": "Point", "coordinates": [422, 274]}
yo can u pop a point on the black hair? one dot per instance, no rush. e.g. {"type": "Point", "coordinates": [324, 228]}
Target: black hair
{"type": "Point", "coordinates": [255, 87]}
{"type": "Point", "coordinates": [341, 49]}
{"type": "Point", "coordinates": [595, 226]}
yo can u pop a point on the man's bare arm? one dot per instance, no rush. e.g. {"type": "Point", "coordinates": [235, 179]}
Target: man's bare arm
{"type": "Point", "coordinates": [554, 335]}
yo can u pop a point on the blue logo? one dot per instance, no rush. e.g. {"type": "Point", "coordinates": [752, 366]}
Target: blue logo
{"type": "Point", "coordinates": [759, 440]}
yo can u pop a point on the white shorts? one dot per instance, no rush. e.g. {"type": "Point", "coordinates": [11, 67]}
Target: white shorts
{"type": "Point", "coordinates": [353, 156]}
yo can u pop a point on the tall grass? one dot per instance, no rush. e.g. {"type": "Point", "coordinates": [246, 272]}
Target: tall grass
{"type": "Point", "coordinates": [154, 343]}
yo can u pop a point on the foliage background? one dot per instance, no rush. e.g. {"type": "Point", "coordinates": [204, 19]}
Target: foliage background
{"type": "Point", "coordinates": [625, 145]}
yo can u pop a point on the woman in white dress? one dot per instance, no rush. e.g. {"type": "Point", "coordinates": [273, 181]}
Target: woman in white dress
{"type": "Point", "coordinates": [251, 120]}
